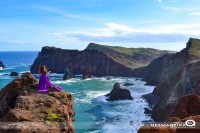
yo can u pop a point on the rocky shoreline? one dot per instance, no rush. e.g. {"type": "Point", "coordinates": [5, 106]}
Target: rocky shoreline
{"type": "Point", "coordinates": [23, 109]}
{"type": "Point", "coordinates": [177, 79]}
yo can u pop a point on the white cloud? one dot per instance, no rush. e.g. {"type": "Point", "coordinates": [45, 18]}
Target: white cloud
{"type": "Point", "coordinates": [159, 0]}
{"type": "Point", "coordinates": [172, 9]}
{"type": "Point", "coordinates": [195, 13]}
{"type": "Point", "coordinates": [113, 32]}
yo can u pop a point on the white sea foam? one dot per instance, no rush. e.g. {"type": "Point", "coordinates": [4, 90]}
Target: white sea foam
{"type": "Point", "coordinates": [73, 80]}
{"type": "Point", "coordinates": [3, 74]}
{"type": "Point", "coordinates": [56, 75]}
{"type": "Point", "coordinates": [90, 96]}
{"type": "Point", "coordinates": [127, 115]}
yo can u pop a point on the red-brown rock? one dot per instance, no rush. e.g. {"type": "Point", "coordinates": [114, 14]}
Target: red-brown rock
{"type": "Point", "coordinates": [23, 110]}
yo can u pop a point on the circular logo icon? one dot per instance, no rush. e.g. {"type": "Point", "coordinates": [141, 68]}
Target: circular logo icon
{"type": "Point", "coordinates": [190, 123]}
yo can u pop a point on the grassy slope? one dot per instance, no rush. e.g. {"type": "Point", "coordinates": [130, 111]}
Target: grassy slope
{"type": "Point", "coordinates": [132, 51]}
{"type": "Point", "coordinates": [195, 49]}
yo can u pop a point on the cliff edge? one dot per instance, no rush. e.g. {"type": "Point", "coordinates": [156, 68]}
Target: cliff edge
{"type": "Point", "coordinates": [24, 110]}
{"type": "Point", "coordinates": [97, 60]}
{"type": "Point", "coordinates": [174, 75]}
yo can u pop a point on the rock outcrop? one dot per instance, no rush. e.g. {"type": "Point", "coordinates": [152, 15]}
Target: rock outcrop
{"type": "Point", "coordinates": [175, 75]}
{"type": "Point", "coordinates": [188, 105]}
{"type": "Point", "coordinates": [13, 74]}
{"type": "Point", "coordinates": [67, 74]}
{"type": "Point", "coordinates": [98, 60]}
{"type": "Point", "coordinates": [128, 84]}
{"type": "Point", "coordinates": [23, 110]}
{"type": "Point", "coordinates": [86, 75]}
{"type": "Point", "coordinates": [1, 64]}
{"type": "Point", "coordinates": [187, 108]}
{"type": "Point", "coordinates": [118, 93]}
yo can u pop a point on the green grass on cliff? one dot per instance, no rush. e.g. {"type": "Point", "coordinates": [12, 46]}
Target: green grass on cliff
{"type": "Point", "coordinates": [195, 48]}
{"type": "Point", "coordinates": [131, 51]}
{"type": "Point", "coordinates": [51, 115]}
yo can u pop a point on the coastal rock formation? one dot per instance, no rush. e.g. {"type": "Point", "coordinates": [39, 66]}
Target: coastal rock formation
{"type": "Point", "coordinates": [86, 75]}
{"type": "Point", "coordinates": [118, 93]}
{"type": "Point", "coordinates": [98, 60]}
{"type": "Point", "coordinates": [67, 74]}
{"type": "Point", "coordinates": [14, 74]}
{"type": "Point", "coordinates": [128, 84]}
{"type": "Point", "coordinates": [1, 64]}
{"type": "Point", "coordinates": [188, 105]}
{"type": "Point", "coordinates": [187, 108]}
{"type": "Point", "coordinates": [24, 110]}
{"type": "Point", "coordinates": [150, 129]}
{"type": "Point", "coordinates": [175, 75]}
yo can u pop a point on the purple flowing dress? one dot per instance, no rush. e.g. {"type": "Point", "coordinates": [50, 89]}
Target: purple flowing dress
{"type": "Point", "coordinates": [45, 84]}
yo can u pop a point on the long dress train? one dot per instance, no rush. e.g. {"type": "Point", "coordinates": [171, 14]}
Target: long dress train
{"type": "Point", "coordinates": [45, 84]}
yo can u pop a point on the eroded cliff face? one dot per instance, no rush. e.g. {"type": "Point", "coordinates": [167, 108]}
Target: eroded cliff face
{"type": "Point", "coordinates": [98, 60]}
{"type": "Point", "coordinates": [55, 59]}
{"type": "Point", "coordinates": [175, 76]}
{"type": "Point", "coordinates": [23, 110]}
{"type": "Point", "coordinates": [187, 108]}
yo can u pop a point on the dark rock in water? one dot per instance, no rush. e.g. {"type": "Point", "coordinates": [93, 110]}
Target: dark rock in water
{"type": "Point", "coordinates": [1, 64]}
{"type": "Point", "coordinates": [108, 78]}
{"type": "Point", "coordinates": [67, 74]}
{"type": "Point", "coordinates": [23, 110]}
{"type": "Point", "coordinates": [86, 75]}
{"type": "Point", "coordinates": [147, 111]}
{"type": "Point", "coordinates": [6, 74]}
{"type": "Point", "coordinates": [128, 84]}
{"type": "Point", "coordinates": [152, 99]}
{"type": "Point", "coordinates": [118, 93]}
{"type": "Point", "coordinates": [14, 74]}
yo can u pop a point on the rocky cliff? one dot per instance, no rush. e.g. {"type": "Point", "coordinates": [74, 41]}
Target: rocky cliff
{"type": "Point", "coordinates": [187, 108]}
{"type": "Point", "coordinates": [23, 110]}
{"type": "Point", "coordinates": [175, 76]}
{"type": "Point", "coordinates": [1, 64]}
{"type": "Point", "coordinates": [98, 60]}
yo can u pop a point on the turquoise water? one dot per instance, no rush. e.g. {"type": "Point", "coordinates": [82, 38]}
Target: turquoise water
{"type": "Point", "coordinates": [93, 113]}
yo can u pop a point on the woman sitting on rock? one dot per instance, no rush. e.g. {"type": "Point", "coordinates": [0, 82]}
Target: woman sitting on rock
{"type": "Point", "coordinates": [44, 82]}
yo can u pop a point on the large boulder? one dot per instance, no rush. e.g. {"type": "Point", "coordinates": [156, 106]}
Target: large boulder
{"type": "Point", "coordinates": [14, 74]}
{"type": "Point", "coordinates": [23, 110]}
{"type": "Point", "coordinates": [118, 93]}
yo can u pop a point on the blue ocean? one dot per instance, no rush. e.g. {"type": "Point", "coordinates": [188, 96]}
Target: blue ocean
{"type": "Point", "coordinates": [93, 113]}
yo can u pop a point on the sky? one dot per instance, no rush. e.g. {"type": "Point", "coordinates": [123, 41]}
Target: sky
{"type": "Point", "coordinates": [28, 25]}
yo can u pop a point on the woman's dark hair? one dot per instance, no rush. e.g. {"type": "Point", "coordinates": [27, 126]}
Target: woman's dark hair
{"type": "Point", "coordinates": [43, 70]}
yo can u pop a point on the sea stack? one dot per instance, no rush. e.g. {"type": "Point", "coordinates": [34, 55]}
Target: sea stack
{"type": "Point", "coordinates": [14, 74]}
{"type": "Point", "coordinates": [67, 74]}
{"type": "Point", "coordinates": [118, 93]}
{"type": "Point", "coordinates": [1, 65]}
{"type": "Point", "coordinates": [24, 110]}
